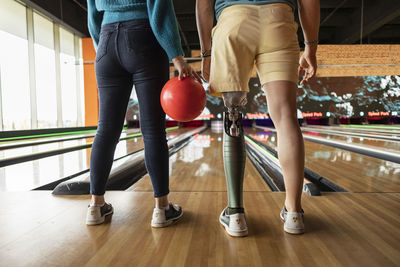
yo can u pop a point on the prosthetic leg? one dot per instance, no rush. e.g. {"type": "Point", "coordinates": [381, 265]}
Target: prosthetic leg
{"type": "Point", "coordinates": [232, 218]}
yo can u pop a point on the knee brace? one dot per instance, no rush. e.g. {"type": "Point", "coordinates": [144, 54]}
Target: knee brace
{"type": "Point", "coordinates": [234, 150]}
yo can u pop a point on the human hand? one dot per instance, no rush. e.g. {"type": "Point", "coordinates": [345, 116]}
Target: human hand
{"type": "Point", "coordinates": [184, 69]}
{"type": "Point", "coordinates": [205, 68]}
{"type": "Point", "coordinates": [308, 64]}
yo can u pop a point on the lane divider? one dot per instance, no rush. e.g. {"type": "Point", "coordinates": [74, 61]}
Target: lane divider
{"type": "Point", "coordinates": [339, 133]}
{"type": "Point", "coordinates": [369, 126]}
{"type": "Point", "coordinates": [360, 149]}
{"type": "Point", "coordinates": [266, 164]}
{"type": "Point", "coordinates": [273, 161]}
{"type": "Point", "coordinates": [358, 129]}
{"type": "Point", "coordinates": [368, 151]}
{"type": "Point", "coordinates": [49, 153]}
{"type": "Point", "coordinates": [40, 141]}
{"type": "Point", "coordinates": [124, 173]}
{"type": "Point", "coordinates": [9, 139]}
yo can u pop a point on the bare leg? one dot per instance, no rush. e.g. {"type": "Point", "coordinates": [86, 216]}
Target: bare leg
{"type": "Point", "coordinates": [159, 201]}
{"type": "Point", "coordinates": [281, 99]}
{"type": "Point", "coordinates": [97, 200]}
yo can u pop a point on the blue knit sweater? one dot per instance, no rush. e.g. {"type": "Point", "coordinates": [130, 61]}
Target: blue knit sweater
{"type": "Point", "coordinates": [160, 13]}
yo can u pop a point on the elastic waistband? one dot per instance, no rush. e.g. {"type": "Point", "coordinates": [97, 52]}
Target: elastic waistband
{"type": "Point", "coordinates": [134, 23]}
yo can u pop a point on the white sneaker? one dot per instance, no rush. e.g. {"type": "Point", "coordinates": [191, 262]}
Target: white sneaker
{"type": "Point", "coordinates": [293, 221]}
{"type": "Point", "coordinates": [163, 217]}
{"type": "Point", "coordinates": [96, 214]}
{"type": "Point", "coordinates": [234, 224]}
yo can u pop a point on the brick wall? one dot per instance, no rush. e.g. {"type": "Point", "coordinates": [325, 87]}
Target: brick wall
{"type": "Point", "coordinates": [348, 60]}
{"type": "Point", "coordinates": [358, 60]}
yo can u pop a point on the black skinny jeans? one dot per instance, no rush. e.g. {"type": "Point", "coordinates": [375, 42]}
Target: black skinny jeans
{"type": "Point", "coordinates": [129, 54]}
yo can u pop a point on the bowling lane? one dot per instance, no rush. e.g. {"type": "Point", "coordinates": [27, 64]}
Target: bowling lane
{"type": "Point", "coordinates": [359, 133]}
{"type": "Point", "coordinates": [352, 171]}
{"type": "Point", "coordinates": [372, 127]}
{"type": "Point", "coordinates": [54, 143]}
{"type": "Point", "coordinates": [47, 136]}
{"type": "Point", "coordinates": [19, 141]}
{"type": "Point", "coordinates": [361, 130]}
{"type": "Point", "coordinates": [385, 145]}
{"type": "Point", "coordinates": [32, 174]}
{"type": "Point", "coordinates": [199, 167]}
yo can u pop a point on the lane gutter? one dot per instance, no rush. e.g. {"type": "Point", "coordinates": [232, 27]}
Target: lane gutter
{"type": "Point", "coordinates": [372, 136]}
{"type": "Point", "coordinates": [40, 141]}
{"type": "Point", "coordinates": [49, 153]}
{"type": "Point", "coordinates": [267, 163]}
{"type": "Point", "coordinates": [123, 173]}
{"type": "Point", "coordinates": [368, 151]}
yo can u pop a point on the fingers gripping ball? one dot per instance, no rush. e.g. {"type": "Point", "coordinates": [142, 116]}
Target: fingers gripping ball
{"type": "Point", "coordinates": [183, 100]}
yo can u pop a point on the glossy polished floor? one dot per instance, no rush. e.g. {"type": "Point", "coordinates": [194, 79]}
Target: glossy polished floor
{"type": "Point", "coordinates": [352, 171]}
{"type": "Point", "coordinates": [342, 229]}
{"type": "Point", "coordinates": [35, 173]}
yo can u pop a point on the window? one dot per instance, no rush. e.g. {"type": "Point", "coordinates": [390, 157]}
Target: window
{"type": "Point", "coordinates": [81, 96]}
{"type": "Point", "coordinates": [45, 71]}
{"type": "Point", "coordinates": [55, 74]}
{"type": "Point", "coordinates": [14, 67]}
{"type": "Point", "coordinates": [68, 79]}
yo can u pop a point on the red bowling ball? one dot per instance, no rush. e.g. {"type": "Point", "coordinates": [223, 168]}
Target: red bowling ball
{"type": "Point", "coordinates": [183, 100]}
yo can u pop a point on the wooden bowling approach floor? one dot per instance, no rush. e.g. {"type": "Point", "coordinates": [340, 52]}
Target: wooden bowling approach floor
{"type": "Point", "coordinates": [342, 229]}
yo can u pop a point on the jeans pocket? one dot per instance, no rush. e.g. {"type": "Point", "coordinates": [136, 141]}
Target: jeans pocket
{"type": "Point", "coordinates": [141, 41]}
{"type": "Point", "coordinates": [103, 43]}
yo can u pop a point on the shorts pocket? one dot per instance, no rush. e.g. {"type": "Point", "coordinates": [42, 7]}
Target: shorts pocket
{"type": "Point", "coordinates": [281, 14]}
{"type": "Point", "coordinates": [103, 43]}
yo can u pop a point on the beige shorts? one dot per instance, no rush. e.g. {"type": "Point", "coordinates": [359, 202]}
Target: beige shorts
{"type": "Point", "coordinates": [246, 34]}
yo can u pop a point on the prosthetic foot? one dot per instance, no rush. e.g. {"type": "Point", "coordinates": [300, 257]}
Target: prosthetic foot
{"type": "Point", "coordinates": [232, 218]}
